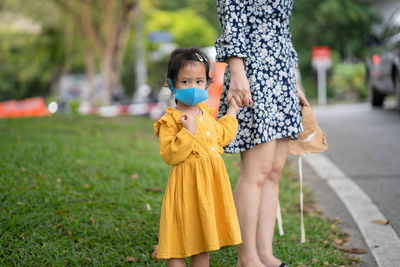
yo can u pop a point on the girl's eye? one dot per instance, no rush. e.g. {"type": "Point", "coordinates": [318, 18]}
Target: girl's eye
{"type": "Point", "coordinates": [200, 82]}
{"type": "Point", "coordinates": [185, 82]}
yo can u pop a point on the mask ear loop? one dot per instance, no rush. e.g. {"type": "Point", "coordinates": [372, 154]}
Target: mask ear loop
{"type": "Point", "coordinates": [171, 85]}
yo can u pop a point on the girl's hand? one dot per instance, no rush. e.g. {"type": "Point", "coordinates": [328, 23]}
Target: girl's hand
{"type": "Point", "coordinates": [189, 122]}
{"type": "Point", "coordinates": [239, 87]}
{"type": "Point", "coordinates": [233, 108]}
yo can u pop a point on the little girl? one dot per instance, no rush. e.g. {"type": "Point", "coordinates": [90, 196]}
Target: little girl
{"type": "Point", "coordinates": [198, 213]}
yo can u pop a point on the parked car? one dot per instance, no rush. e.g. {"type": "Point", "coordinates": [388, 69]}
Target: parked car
{"type": "Point", "coordinates": [383, 65]}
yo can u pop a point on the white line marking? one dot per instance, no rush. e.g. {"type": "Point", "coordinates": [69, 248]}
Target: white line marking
{"type": "Point", "coordinates": [382, 240]}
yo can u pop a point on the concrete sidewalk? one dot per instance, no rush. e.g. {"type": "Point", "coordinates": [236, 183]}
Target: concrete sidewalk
{"type": "Point", "coordinates": [333, 208]}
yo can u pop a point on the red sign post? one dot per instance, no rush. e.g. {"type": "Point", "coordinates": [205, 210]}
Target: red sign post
{"type": "Point", "coordinates": [321, 60]}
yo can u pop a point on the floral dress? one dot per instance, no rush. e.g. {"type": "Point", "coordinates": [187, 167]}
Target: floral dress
{"type": "Point", "coordinates": [198, 212]}
{"type": "Point", "coordinates": [258, 31]}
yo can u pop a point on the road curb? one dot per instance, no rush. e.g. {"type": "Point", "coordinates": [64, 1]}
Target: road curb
{"type": "Point", "coordinates": [332, 208]}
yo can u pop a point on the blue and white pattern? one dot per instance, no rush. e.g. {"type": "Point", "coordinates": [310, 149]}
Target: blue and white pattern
{"type": "Point", "coordinates": [258, 31]}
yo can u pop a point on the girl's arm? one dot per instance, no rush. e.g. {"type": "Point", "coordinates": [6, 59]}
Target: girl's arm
{"type": "Point", "coordinates": [175, 145]}
{"type": "Point", "coordinates": [227, 126]}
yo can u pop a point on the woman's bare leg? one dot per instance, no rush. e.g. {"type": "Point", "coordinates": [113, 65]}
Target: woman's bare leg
{"type": "Point", "coordinates": [176, 262]}
{"type": "Point", "coordinates": [256, 163]}
{"type": "Point", "coordinates": [268, 206]}
{"type": "Point", "coordinates": [200, 260]}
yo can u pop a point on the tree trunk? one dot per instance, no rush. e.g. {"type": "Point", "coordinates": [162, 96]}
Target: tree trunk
{"type": "Point", "coordinates": [107, 39]}
{"type": "Point", "coordinates": [106, 75]}
{"type": "Point", "coordinates": [90, 72]}
{"type": "Point", "coordinates": [117, 34]}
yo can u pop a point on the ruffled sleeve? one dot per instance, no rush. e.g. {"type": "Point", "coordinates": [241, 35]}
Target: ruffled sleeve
{"type": "Point", "coordinates": [175, 144]}
{"type": "Point", "coordinates": [227, 127]}
{"type": "Point", "coordinates": [232, 15]}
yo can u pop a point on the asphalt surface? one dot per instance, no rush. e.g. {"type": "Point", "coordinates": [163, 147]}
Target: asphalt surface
{"type": "Point", "coordinates": [364, 143]}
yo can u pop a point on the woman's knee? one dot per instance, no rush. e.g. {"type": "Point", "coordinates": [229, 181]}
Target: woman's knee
{"type": "Point", "coordinates": [274, 175]}
{"type": "Point", "coordinates": [255, 177]}
{"type": "Point", "coordinates": [259, 178]}
{"type": "Point", "coordinates": [261, 164]}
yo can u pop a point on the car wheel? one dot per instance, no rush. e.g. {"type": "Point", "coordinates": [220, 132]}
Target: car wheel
{"type": "Point", "coordinates": [397, 88]}
{"type": "Point", "coordinates": [375, 97]}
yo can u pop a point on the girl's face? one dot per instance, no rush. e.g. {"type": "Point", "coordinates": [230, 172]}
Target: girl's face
{"type": "Point", "coordinates": [192, 75]}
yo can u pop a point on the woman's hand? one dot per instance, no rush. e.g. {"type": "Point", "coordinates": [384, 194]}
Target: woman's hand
{"type": "Point", "coordinates": [302, 97]}
{"type": "Point", "coordinates": [300, 93]}
{"type": "Point", "coordinates": [239, 87]}
{"type": "Point", "coordinates": [189, 122]}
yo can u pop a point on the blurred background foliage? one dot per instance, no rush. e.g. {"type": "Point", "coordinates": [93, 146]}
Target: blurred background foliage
{"type": "Point", "coordinates": [187, 27]}
{"type": "Point", "coordinates": [31, 61]}
{"type": "Point", "coordinates": [344, 25]}
{"type": "Point", "coordinates": [348, 80]}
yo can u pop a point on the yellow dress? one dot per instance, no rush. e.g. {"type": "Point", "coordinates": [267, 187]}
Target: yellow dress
{"type": "Point", "coordinates": [198, 213]}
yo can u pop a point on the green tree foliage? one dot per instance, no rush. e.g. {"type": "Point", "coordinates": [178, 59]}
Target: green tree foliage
{"type": "Point", "coordinates": [29, 59]}
{"type": "Point", "coordinates": [30, 62]}
{"type": "Point", "coordinates": [344, 25]}
{"type": "Point", "coordinates": [204, 8]}
{"type": "Point", "coordinates": [341, 24]}
{"type": "Point", "coordinates": [187, 27]}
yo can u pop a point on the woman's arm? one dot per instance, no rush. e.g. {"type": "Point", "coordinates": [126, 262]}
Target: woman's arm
{"type": "Point", "coordinates": [231, 42]}
{"type": "Point", "coordinates": [239, 87]}
{"type": "Point", "coordinates": [231, 47]}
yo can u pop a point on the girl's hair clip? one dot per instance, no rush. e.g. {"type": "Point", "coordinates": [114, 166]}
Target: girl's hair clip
{"type": "Point", "coordinates": [200, 57]}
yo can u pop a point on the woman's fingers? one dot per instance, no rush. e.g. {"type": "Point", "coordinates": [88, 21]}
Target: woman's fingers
{"type": "Point", "coordinates": [242, 99]}
{"type": "Point", "coordinates": [304, 101]}
{"type": "Point", "coordinates": [302, 97]}
{"type": "Point", "coordinates": [238, 100]}
{"type": "Point", "coordinates": [247, 99]}
{"type": "Point", "coordinates": [232, 94]}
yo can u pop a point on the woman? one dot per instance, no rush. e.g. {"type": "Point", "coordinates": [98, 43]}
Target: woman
{"type": "Point", "coordinates": [256, 43]}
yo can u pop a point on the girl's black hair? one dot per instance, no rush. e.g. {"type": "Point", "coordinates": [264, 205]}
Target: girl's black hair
{"type": "Point", "coordinates": [180, 57]}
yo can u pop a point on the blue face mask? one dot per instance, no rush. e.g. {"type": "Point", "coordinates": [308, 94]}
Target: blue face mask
{"type": "Point", "coordinates": [189, 96]}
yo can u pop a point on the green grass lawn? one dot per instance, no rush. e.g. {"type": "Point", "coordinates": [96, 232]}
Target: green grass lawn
{"type": "Point", "coordinates": [76, 190]}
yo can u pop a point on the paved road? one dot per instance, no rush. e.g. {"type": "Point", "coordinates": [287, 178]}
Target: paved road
{"type": "Point", "coordinates": [365, 144]}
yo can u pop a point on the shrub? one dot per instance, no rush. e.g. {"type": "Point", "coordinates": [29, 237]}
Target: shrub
{"type": "Point", "coordinates": [349, 78]}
